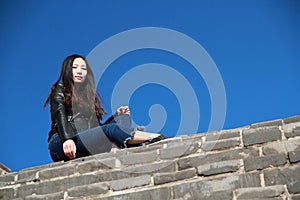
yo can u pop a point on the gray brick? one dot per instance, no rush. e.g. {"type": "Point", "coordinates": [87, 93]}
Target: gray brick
{"type": "Point", "coordinates": [294, 133]}
{"type": "Point", "coordinates": [188, 139]}
{"type": "Point", "coordinates": [264, 162]}
{"type": "Point", "coordinates": [55, 186]}
{"type": "Point", "coordinates": [292, 119]}
{"type": "Point", "coordinates": [114, 175]}
{"type": "Point", "coordinates": [220, 195]}
{"type": "Point", "coordinates": [8, 177]}
{"type": "Point", "coordinates": [221, 135]}
{"type": "Point", "coordinates": [102, 156]}
{"type": "Point", "coordinates": [160, 178]}
{"type": "Point", "coordinates": [277, 122]}
{"type": "Point", "coordinates": [96, 165]}
{"type": "Point", "coordinates": [170, 142]}
{"type": "Point", "coordinates": [27, 175]}
{"type": "Point", "coordinates": [178, 151]}
{"type": "Point", "coordinates": [163, 193]}
{"type": "Point", "coordinates": [204, 189]}
{"type": "Point", "coordinates": [219, 167]}
{"type": "Point", "coordinates": [139, 158]}
{"type": "Point", "coordinates": [124, 184]}
{"type": "Point", "coordinates": [86, 190]}
{"type": "Point", "coordinates": [294, 187]}
{"type": "Point", "coordinates": [294, 156]}
{"type": "Point", "coordinates": [291, 130]}
{"type": "Point", "coordinates": [260, 135]}
{"type": "Point", "coordinates": [53, 196]}
{"type": "Point", "coordinates": [144, 149]}
{"type": "Point", "coordinates": [6, 193]}
{"type": "Point", "coordinates": [282, 176]}
{"type": "Point", "coordinates": [295, 197]}
{"type": "Point", "coordinates": [61, 171]}
{"type": "Point", "coordinates": [259, 192]}
{"type": "Point", "coordinates": [220, 144]}
{"type": "Point", "coordinates": [163, 166]}
{"type": "Point", "coordinates": [281, 147]}
{"type": "Point", "coordinates": [195, 161]}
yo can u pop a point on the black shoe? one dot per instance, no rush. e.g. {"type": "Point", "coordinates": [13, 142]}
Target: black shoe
{"type": "Point", "coordinates": [156, 139]}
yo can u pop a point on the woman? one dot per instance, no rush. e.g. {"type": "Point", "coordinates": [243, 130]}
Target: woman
{"type": "Point", "coordinates": [76, 112]}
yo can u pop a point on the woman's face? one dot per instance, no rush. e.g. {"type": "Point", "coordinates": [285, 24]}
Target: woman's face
{"type": "Point", "coordinates": [79, 70]}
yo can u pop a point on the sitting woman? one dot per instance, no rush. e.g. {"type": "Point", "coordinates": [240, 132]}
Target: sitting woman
{"type": "Point", "coordinates": [76, 112]}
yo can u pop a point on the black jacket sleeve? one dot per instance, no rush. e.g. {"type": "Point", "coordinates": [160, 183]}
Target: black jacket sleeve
{"type": "Point", "coordinates": [59, 113]}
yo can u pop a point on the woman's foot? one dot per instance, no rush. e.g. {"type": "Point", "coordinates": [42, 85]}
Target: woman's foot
{"type": "Point", "coordinates": [141, 138]}
{"type": "Point", "coordinates": [156, 139]}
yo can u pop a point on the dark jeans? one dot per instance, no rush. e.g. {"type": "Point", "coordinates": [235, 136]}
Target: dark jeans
{"type": "Point", "coordinates": [95, 140]}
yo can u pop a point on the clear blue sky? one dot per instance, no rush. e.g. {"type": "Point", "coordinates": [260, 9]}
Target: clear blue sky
{"type": "Point", "coordinates": [255, 45]}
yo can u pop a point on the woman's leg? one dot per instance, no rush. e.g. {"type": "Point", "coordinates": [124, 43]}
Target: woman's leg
{"type": "Point", "coordinates": [55, 147]}
{"type": "Point", "coordinates": [120, 131]}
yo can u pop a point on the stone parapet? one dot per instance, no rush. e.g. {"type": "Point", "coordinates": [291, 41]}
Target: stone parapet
{"type": "Point", "coordinates": [259, 161]}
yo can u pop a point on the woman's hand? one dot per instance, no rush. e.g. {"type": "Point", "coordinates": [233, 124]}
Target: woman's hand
{"type": "Point", "coordinates": [69, 148]}
{"type": "Point", "coordinates": [123, 110]}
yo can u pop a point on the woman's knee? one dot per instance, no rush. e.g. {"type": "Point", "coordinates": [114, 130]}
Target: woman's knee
{"type": "Point", "coordinates": [123, 119]}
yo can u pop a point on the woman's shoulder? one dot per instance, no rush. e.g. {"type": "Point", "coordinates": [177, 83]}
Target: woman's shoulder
{"type": "Point", "coordinates": [58, 91]}
{"type": "Point", "coordinates": [59, 87]}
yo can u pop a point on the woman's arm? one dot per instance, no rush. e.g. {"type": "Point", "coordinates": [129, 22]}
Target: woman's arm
{"type": "Point", "coordinates": [121, 110]}
{"type": "Point", "coordinates": [64, 128]}
{"type": "Point", "coordinates": [59, 111]}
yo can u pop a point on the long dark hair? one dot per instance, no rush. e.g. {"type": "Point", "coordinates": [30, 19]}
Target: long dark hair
{"type": "Point", "coordinates": [83, 93]}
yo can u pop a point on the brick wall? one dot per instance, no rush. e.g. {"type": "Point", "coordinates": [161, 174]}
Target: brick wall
{"type": "Point", "coordinates": [260, 161]}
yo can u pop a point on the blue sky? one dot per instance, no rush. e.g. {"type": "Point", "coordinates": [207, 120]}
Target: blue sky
{"type": "Point", "coordinates": [254, 44]}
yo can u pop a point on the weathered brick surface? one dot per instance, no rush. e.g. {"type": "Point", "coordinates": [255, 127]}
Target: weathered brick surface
{"type": "Point", "coordinates": [282, 176]}
{"type": "Point", "coordinates": [220, 144]}
{"type": "Point", "coordinates": [91, 189]}
{"type": "Point", "coordinates": [27, 175]}
{"type": "Point", "coordinates": [113, 175]}
{"type": "Point", "coordinates": [294, 156]}
{"type": "Point", "coordinates": [130, 182]}
{"type": "Point", "coordinates": [282, 146]}
{"type": "Point", "coordinates": [218, 167]}
{"type": "Point", "coordinates": [53, 196]}
{"type": "Point", "coordinates": [164, 166]}
{"type": "Point", "coordinates": [163, 193]}
{"type": "Point", "coordinates": [222, 135]}
{"type": "Point", "coordinates": [178, 151]}
{"type": "Point", "coordinates": [213, 165]}
{"type": "Point", "coordinates": [259, 192]}
{"type": "Point", "coordinates": [203, 159]}
{"type": "Point", "coordinates": [60, 171]}
{"type": "Point", "coordinates": [296, 197]}
{"type": "Point", "coordinates": [292, 119]}
{"type": "Point", "coordinates": [277, 122]}
{"type": "Point", "coordinates": [204, 189]}
{"type": "Point", "coordinates": [261, 135]}
{"type": "Point", "coordinates": [264, 162]}
{"type": "Point", "coordinates": [7, 177]}
{"type": "Point", "coordinates": [160, 178]}
{"type": "Point", "coordinates": [294, 187]}
{"type": "Point", "coordinates": [96, 165]}
{"type": "Point", "coordinates": [291, 130]}
{"type": "Point", "coordinates": [7, 193]}
{"type": "Point", "coordinates": [55, 186]}
{"type": "Point", "coordinates": [139, 158]}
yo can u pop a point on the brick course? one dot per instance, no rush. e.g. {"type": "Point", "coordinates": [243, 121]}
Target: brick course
{"type": "Point", "coordinates": [260, 161]}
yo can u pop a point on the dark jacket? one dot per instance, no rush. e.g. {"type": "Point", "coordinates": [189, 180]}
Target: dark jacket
{"type": "Point", "coordinates": [66, 120]}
